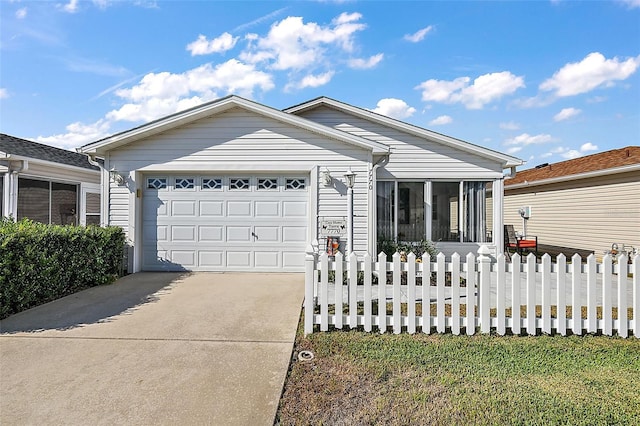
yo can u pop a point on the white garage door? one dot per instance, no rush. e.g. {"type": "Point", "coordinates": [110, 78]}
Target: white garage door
{"type": "Point", "coordinates": [224, 223]}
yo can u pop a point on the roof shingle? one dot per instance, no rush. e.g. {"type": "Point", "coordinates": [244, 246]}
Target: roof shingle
{"type": "Point", "coordinates": [605, 160]}
{"type": "Point", "coordinates": [25, 148]}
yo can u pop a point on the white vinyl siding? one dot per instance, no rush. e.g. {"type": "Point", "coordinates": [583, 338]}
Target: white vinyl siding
{"type": "Point", "coordinates": [244, 142]}
{"type": "Point", "coordinates": [588, 214]}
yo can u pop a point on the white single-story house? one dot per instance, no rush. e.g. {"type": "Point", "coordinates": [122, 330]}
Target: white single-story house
{"type": "Point", "coordinates": [47, 184]}
{"type": "Point", "coordinates": [234, 185]}
{"type": "Point", "coordinates": [588, 203]}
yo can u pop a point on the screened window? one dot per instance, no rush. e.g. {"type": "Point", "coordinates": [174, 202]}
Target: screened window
{"type": "Point", "coordinates": [92, 214]}
{"type": "Point", "coordinates": [64, 204]}
{"type": "Point", "coordinates": [410, 224]}
{"type": "Point", "coordinates": [33, 200]}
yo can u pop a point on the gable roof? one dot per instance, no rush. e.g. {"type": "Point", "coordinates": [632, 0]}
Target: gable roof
{"type": "Point", "coordinates": [504, 159]}
{"type": "Point", "coordinates": [604, 163]}
{"type": "Point", "coordinates": [25, 149]}
{"type": "Point", "coordinates": [218, 106]}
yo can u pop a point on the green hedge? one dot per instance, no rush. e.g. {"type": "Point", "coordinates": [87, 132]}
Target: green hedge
{"type": "Point", "coordinates": [40, 263]}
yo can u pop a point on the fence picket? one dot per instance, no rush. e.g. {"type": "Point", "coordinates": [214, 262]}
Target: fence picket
{"type": "Point", "coordinates": [607, 278]}
{"type": "Point", "coordinates": [623, 319]}
{"type": "Point", "coordinates": [411, 293]}
{"type": "Point", "coordinates": [352, 283]}
{"type": "Point", "coordinates": [440, 321]}
{"type": "Point", "coordinates": [324, 292]}
{"type": "Point", "coordinates": [592, 313]}
{"type": "Point", "coordinates": [455, 294]}
{"type": "Point", "coordinates": [426, 293]}
{"type": "Point", "coordinates": [515, 295]}
{"type": "Point", "coordinates": [354, 305]}
{"type": "Point", "coordinates": [546, 293]}
{"type": "Point", "coordinates": [576, 304]}
{"type": "Point", "coordinates": [339, 292]}
{"type": "Point", "coordinates": [382, 292]}
{"type": "Point", "coordinates": [501, 295]}
{"type": "Point", "coordinates": [531, 294]}
{"type": "Point", "coordinates": [561, 299]}
{"type": "Point", "coordinates": [636, 295]}
{"type": "Point", "coordinates": [367, 292]}
{"type": "Point", "coordinates": [470, 322]}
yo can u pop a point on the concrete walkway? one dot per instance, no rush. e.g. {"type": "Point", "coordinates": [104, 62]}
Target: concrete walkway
{"type": "Point", "coordinates": [153, 348]}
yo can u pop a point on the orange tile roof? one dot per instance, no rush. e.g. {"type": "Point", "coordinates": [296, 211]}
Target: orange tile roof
{"type": "Point", "coordinates": [605, 160]}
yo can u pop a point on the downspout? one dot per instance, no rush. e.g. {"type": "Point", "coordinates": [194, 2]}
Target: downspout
{"type": "Point", "coordinates": [511, 174]}
{"type": "Point", "coordinates": [13, 186]}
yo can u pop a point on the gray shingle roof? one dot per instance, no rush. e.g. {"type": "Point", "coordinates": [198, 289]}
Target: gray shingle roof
{"type": "Point", "coordinates": [24, 148]}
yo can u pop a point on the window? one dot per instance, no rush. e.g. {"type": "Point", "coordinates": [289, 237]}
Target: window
{"type": "Point", "coordinates": [466, 222]}
{"type": "Point", "coordinates": [92, 203]}
{"type": "Point", "coordinates": [401, 214]}
{"type": "Point", "coordinates": [48, 202]}
{"type": "Point", "coordinates": [238, 183]}
{"type": "Point", "coordinates": [209, 183]}
{"type": "Point", "coordinates": [185, 183]}
{"type": "Point", "coordinates": [296, 184]}
{"type": "Point", "coordinates": [267, 183]}
{"type": "Point", "coordinates": [156, 183]}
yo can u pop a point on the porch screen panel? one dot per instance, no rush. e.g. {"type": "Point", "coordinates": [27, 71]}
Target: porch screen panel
{"type": "Point", "coordinates": [92, 203]}
{"type": "Point", "coordinates": [411, 211]}
{"type": "Point", "coordinates": [444, 220]}
{"type": "Point", "coordinates": [385, 208]}
{"type": "Point", "coordinates": [33, 200]}
{"type": "Point", "coordinates": [64, 204]}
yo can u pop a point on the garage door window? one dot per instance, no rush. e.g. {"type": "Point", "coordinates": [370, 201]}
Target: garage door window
{"type": "Point", "coordinates": [185, 183]}
{"type": "Point", "coordinates": [239, 184]}
{"type": "Point", "coordinates": [296, 184]}
{"type": "Point", "coordinates": [212, 184]}
{"type": "Point", "coordinates": [267, 183]}
{"type": "Point", "coordinates": [157, 183]}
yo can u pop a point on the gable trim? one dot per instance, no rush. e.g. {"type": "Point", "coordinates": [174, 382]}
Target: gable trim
{"type": "Point", "coordinates": [507, 161]}
{"type": "Point", "coordinates": [219, 106]}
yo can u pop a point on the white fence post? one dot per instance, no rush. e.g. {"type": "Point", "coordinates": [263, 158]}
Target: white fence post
{"type": "Point", "coordinates": [607, 280]}
{"type": "Point", "coordinates": [531, 294]}
{"type": "Point", "coordinates": [516, 325]}
{"type": "Point", "coordinates": [367, 292]}
{"type": "Point", "coordinates": [397, 327]}
{"type": "Point", "coordinates": [623, 324]}
{"type": "Point", "coordinates": [382, 292]}
{"type": "Point", "coordinates": [576, 304]}
{"type": "Point", "coordinates": [484, 288]}
{"type": "Point", "coordinates": [501, 326]}
{"type": "Point", "coordinates": [411, 293]}
{"type": "Point", "coordinates": [440, 322]}
{"type": "Point", "coordinates": [636, 295]}
{"type": "Point", "coordinates": [471, 294]}
{"type": "Point", "coordinates": [546, 293]}
{"type": "Point", "coordinates": [309, 303]}
{"type": "Point", "coordinates": [455, 294]}
{"type": "Point", "coordinates": [353, 289]}
{"type": "Point", "coordinates": [561, 301]}
{"type": "Point", "coordinates": [426, 293]}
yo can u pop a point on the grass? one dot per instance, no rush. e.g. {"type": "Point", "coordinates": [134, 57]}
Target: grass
{"type": "Point", "coordinates": [368, 378]}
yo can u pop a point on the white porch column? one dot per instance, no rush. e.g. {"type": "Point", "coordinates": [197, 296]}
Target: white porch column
{"type": "Point", "coordinates": [498, 215]}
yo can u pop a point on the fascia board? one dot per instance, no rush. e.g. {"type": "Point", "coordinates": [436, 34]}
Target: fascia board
{"type": "Point", "coordinates": [217, 107]}
{"type": "Point", "coordinates": [52, 163]}
{"type": "Point", "coordinates": [578, 176]}
{"type": "Point", "coordinates": [506, 160]}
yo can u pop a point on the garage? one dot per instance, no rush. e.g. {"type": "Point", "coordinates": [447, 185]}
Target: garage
{"type": "Point", "coordinates": [224, 222]}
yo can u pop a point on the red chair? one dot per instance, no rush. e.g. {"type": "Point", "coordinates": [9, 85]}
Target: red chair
{"type": "Point", "coordinates": [519, 244]}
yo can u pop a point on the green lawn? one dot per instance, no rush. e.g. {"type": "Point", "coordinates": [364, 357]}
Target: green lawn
{"type": "Point", "coordinates": [368, 378]}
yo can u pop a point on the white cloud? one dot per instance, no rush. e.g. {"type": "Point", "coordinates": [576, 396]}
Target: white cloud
{"type": "Point", "coordinates": [566, 113]}
{"type": "Point", "coordinates": [221, 44]}
{"type": "Point", "coordinates": [4, 93]}
{"type": "Point", "coordinates": [571, 154]}
{"type": "Point", "coordinates": [77, 134]}
{"type": "Point", "coordinates": [159, 94]}
{"type": "Point", "coordinates": [527, 139]}
{"type": "Point", "coordinates": [568, 153]}
{"type": "Point", "coordinates": [514, 149]}
{"type": "Point", "coordinates": [71, 7]}
{"type": "Point", "coordinates": [259, 20]}
{"type": "Point", "coordinates": [631, 4]}
{"type": "Point", "coordinates": [592, 72]}
{"type": "Point", "coordinates": [293, 44]}
{"type": "Point", "coordinates": [418, 35]}
{"type": "Point", "coordinates": [587, 147]}
{"type": "Point", "coordinates": [511, 125]}
{"type": "Point", "coordinates": [21, 13]}
{"type": "Point", "coordinates": [311, 80]}
{"type": "Point", "coordinates": [395, 108]}
{"type": "Point", "coordinates": [366, 63]}
{"type": "Point", "coordinates": [439, 121]}
{"type": "Point", "coordinates": [485, 89]}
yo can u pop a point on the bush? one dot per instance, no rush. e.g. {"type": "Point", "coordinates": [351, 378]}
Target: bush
{"type": "Point", "coordinates": [389, 246]}
{"type": "Point", "coordinates": [40, 263]}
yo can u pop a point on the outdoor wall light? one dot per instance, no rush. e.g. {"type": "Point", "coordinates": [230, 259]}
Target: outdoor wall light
{"type": "Point", "coordinates": [350, 178]}
{"type": "Point", "coordinates": [327, 179]}
{"type": "Point", "coordinates": [116, 176]}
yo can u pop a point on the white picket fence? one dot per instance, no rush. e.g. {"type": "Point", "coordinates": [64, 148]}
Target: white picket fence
{"type": "Point", "coordinates": [609, 291]}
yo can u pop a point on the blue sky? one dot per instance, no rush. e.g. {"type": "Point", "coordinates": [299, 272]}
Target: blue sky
{"type": "Point", "coordinates": [541, 80]}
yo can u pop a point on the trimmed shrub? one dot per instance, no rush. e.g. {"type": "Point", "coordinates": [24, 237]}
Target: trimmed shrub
{"type": "Point", "coordinates": [40, 263]}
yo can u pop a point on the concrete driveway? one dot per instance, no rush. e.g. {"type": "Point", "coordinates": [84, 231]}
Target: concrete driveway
{"type": "Point", "coordinates": [153, 348]}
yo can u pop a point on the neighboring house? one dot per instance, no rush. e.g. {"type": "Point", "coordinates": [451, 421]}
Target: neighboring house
{"type": "Point", "coordinates": [586, 203]}
{"type": "Point", "coordinates": [234, 185]}
{"type": "Point", "coordinates": [47, 184]}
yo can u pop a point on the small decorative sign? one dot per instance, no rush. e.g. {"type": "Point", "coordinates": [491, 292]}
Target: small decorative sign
{"type": "Point", "coordinates": [330, 227]}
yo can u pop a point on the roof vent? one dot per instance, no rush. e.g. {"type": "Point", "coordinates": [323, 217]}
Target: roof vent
{"type": "Point", "coordinates": [539, 166]}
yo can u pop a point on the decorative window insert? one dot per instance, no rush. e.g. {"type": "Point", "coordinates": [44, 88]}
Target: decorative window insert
{"type": "Point", "coordinates": [267, 184]}
{"type": "Point", "coordinates": [296, 184]}
{"type": "Point", "coordinates": [211, 183]}
{"type": "Point", "coordinates": [157, 183]}
{"type": "Point", "coordinates": [239, 183]}
{"type": "Point", "coordinates": [185, 183]}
